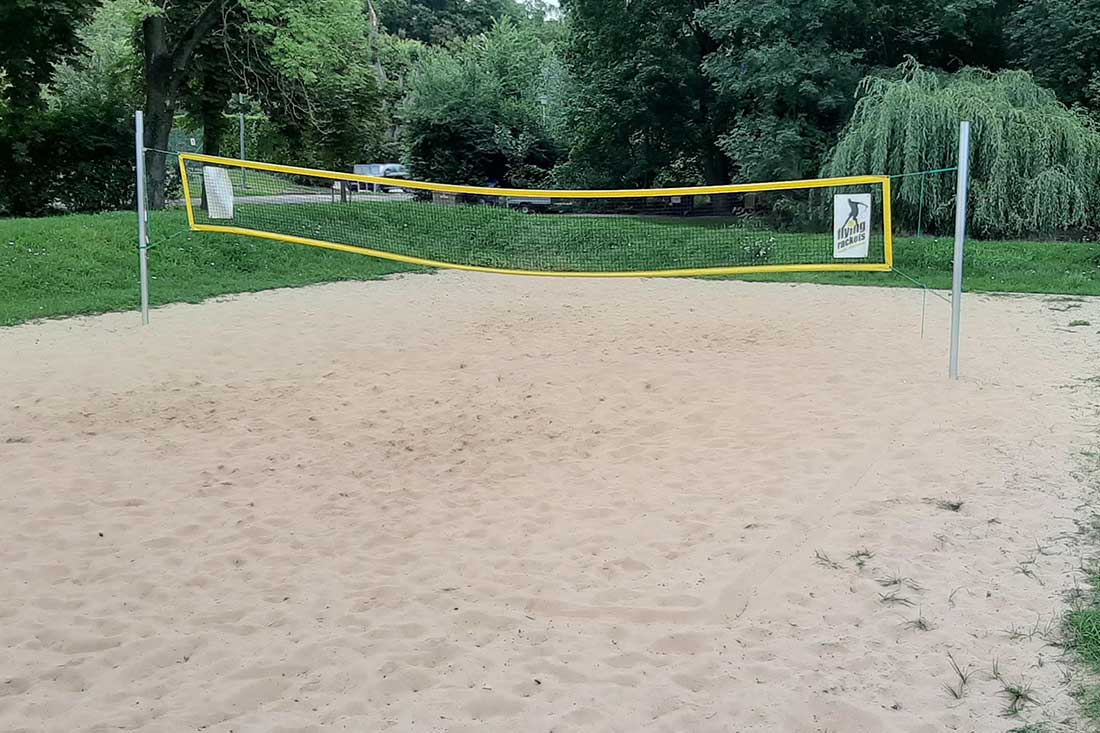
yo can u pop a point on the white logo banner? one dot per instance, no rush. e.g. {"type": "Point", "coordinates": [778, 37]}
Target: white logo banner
{"type": "Point", "coordinates": [851, 226]}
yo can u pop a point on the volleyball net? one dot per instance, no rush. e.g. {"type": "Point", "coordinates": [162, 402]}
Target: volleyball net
{"type": "Point", "coordinates": [837, 224]}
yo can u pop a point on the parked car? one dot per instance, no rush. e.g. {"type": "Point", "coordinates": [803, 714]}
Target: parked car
{"type": "Point", "coordinates": [380, 170]}
{"type": "Point", "coordinates": [539, 205]}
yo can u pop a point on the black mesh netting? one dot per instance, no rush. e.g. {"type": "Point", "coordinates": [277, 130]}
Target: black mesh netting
{"type": "Point", "coordinates": [547, 233]}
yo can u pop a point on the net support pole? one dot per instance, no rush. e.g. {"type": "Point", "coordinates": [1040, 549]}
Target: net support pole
{"type": "Point", "coordinates": [962, 192]}
{"type": "Point", "coordinates": [142, 213]}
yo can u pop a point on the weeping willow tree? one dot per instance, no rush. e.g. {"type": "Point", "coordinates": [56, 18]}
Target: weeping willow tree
{"type": "Point", "coordinates": [1035, 167]}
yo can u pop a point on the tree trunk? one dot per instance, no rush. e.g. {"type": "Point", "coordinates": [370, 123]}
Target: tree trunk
{"type": "Point", "coordinates": [716, 168]}
{"type": "Point", "coordinates": [166, 66]}
{"type": "Point", "coordinates": [716, 165]}
{"type": "Point", "coordinates": [213, 132]}
{"type": "Point", "coordinates": [213, 129]}
{"type": "Point", "coordinates": [214, 98]}
{"type": "Point", "coordinates": [159, 105]}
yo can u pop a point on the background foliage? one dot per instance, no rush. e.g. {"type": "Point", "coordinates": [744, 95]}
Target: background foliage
{"type": "Point", "coordinates": [606, 93]}
{"type": "Point", "coordinates": [485, 109]}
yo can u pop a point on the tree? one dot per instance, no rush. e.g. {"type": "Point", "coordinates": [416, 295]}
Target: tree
{"type": "Point", "coordinates": [312, 69]}
{"type": "Point", "coordinates": [76, 146]}
{"type": "Point", "coordinates": [170, 36]}
{"type": "Point", "coordinates": [396, 58]}
{"type": "Point", "coordinates": [1059, 41]}
{"type": "Point", "coordinates": [308, 64]}
{"type": "Point", "coordinates": [441, 21]}
{"type": "Point", "coordinates": [790, 77]}
{"type": "Point", "coordinates": [941, 34]}
{"type": "Point", "coordinates": [642, 112]}
{"type": "Point", "coordinates": [36, 35]}
{"type": "Point", "coordinates": [213, 80]}
{"type": "Point", "coordinates": [709, 90]}
{"type": "Point", "coordinates": [480, 110]}
{"type": "Point", "coordinates": [106, 65]}
{"type": "Point", "coordinates": [1034, 169]}
{"type": "Point", "coordinates": [791, 71]}
{"type": "Point", "coordinates": [89, 117]}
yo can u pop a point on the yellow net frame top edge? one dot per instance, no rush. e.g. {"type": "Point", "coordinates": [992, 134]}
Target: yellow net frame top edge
{"type": "Point", "coordinates": [533, 192]}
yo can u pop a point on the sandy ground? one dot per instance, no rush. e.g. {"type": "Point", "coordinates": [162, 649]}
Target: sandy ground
{"type": "Point", "coordinates": [470, 503]}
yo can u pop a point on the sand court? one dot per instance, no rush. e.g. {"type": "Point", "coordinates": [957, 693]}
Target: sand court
{"type": "Point", "coordinates": [463, 503]}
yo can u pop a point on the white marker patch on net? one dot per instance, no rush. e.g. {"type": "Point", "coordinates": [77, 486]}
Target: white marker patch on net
{"type": "Point", "coordinates": [219, 192]}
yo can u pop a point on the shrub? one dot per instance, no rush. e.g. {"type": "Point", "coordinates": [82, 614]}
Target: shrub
{"type": "Point", "coordinates": [67, 160]}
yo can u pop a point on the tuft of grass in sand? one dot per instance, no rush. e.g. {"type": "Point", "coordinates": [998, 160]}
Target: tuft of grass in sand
{"type": "Point", "coordinates": [957, 689]}
{"type": "Point", "coordinates": [1026, 568]}
{"type": "Point", "coordinates": [1018, 695]}
{"type": "Point", "coordinates": [861, 556]}
{"type": "Point", "coordinates": [1031, 728]}
{"type": "Point", "coordinates": [920, 623]}
{"type": "Point", "coordinates": [825, 561]}
{"type": "Point", "coordinates": [1077, 323]}
{"type": "Point", "coordinates": [948, 505]}
{"type": "Point", "coordinates": [894, 598]}
{"type": "Point", "coordinates": [897, 580]}
{"type": "Point", "coordinates": [1048, 632]}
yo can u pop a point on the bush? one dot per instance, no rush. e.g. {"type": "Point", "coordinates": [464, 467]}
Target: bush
{"type": "Point", "coordinates": [93, 147]}
{"type": "Point", "coordinates": [74, 152]}
{"type": "Point", "coordinates": [67, 160]}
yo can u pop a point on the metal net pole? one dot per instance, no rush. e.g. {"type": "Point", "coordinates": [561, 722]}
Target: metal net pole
{"type": "Point", "coordinates": [142, 212]}
{"type": "Point", "coordinates": [961, 193]}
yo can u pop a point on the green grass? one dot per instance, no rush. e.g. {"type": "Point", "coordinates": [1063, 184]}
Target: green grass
{"type": "Point", "coordinates": [1069, 268]}
{"type": "Point", "coordinates": [1084, 625]}
{"type": "Point", "coordinates": [1083, 637]}
{"type": "Point", "coordinates": [498, 237]}
{"type": "Point", "coordinates": [84, 264]}
{"type": "Point", "coordinates": [73, 265]}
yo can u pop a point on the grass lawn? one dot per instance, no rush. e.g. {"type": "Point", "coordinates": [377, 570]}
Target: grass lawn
{"type": "Point", "coordinates": [88, 263]}
{"type": "Point", "coordinates": [1083, 620]}
{"type": "Point", "coordinates": [82, 264]}
{"type": "Point", "coordinates": [1084, 636]}
{"type": "Point", "coordinates": [499, 237]}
